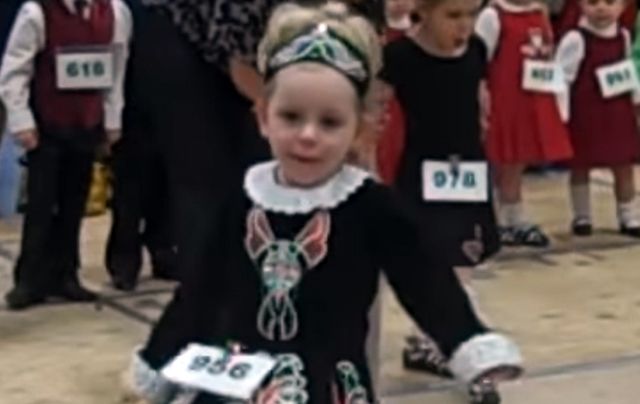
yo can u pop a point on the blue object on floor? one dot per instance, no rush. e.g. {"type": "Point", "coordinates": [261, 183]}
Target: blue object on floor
{"type": "Point", "coordinates": [10, 172]}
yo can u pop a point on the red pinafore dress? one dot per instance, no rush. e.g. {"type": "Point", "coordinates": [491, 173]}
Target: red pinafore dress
{"type": "Point", "coordinates": [603, 131]}
{"type": "Point", "coordinates": [525, 127]}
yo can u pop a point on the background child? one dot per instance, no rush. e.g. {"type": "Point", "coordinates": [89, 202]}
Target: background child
{"type": "Point", "coordinates": [398, 18]}
{"type": "Point", "coordinates": [307, 236]}
{"type": "Point", "coordinates": [603, 127]}
{"type": "Point", "coordinates": [571, 11]}
{"type": "Point", "coordinates": [61, 120]}
{"type": "Point", "coordinates": [436, 74]}
{"type": "Point", "coordinates": [391, 143]}
{"type": "Point", "coordinates": [525, 125]}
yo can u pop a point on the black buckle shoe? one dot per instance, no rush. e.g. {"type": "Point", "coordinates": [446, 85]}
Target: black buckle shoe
{"type": "Point", "coordinates": [525, 235]}
{"type": "Point", "coordinates": [73, 291]}
{"type": "Point", "coordinates": [164, 264]}
{"type": "Point", "coordinates": [633, 231]}
{"type": "Point", "coordinates": [421, 355]}
{"type": "Point", "coordinates": [484, 392]}
{"type": "Point", "coordinates": [20, 298]}
{"type": "Point", "coordinates": [124, 284]}
{"type": "Point", "coordinates": [581, 227]}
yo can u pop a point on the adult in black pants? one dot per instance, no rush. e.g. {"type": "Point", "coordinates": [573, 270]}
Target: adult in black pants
{"type": "Point", "coordinates": [140, 207]}
{"type": "Point", "coordinates": [181, 87]}
{"type": "Point", "coordinates": [140, 204]}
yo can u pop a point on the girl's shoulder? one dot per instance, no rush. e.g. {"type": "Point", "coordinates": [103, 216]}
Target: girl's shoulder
{"type": "Point", "coordinates": [400, 47]}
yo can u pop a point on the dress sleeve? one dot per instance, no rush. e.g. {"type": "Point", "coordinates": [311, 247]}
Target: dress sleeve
{"type": "Point", "coordinates": [488, 29]}
{"type": "Point", "coordinates": [430, 292]}
{"type": "Point", "coordinates": [569, 57]}
{"type": "Point", "coordinates": [196, 304]}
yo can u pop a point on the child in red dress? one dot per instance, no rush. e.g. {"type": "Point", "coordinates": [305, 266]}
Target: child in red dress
{"type": "Point", "coordinates": [570, 15]}
{"type": "Point", "coordinates": [602, 120]}
{"type": "Point", "coordinates": [524, 125]}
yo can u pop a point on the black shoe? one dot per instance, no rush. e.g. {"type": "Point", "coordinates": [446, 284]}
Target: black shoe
{"type": "Point", "coordinates": [484, 392]}
{"type": "Point", "coordinates": [525, 235]}
{"type": "Point", "coordinates": [164, 264]}
{"type": "Point", "coordinates": [630, 231]}
{"type": "Point", "coordinates": [581, 227]}
{"type": "Point", "coordinates": [73, 291]}
{"type": "Point", "coordinates": [123, 284]}
{"type": "Point", "coordinates": [421, 355]}
{"type": "Point", "coordinates": [20, 298]}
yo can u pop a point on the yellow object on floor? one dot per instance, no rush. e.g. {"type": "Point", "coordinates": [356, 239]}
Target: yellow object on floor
{"type": "Point", "coordinates": [100, 190]}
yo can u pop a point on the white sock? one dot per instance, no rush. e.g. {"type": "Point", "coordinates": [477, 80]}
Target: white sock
{"type": "Point", "coordinates": [512, 214]}
{"type": "Point", "coordinates": [628, 214]}
{"type": "Point", "coordinates": [581, 202]}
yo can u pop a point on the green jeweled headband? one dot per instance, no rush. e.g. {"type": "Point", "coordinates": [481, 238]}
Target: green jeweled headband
{"type": "Point", "coordinates": [323, 45]}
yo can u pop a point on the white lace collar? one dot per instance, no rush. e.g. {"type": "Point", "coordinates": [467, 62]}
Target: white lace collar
{"type": "Point", "coordinates": [400, 24]}
{"type": "Point", "coordinates": [261, 187]}
{"type": "Point", "coordinates": [518, 8]}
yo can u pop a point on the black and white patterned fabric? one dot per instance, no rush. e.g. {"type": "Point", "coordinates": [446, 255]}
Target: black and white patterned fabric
{"type": "Point", "coordinates": [220, 28]}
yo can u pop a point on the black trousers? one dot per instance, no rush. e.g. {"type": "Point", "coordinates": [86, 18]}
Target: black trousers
{"type": "Point", "coordinates": [59, 176]}
{"type": "Point", "coordinates": [140, 202]}
{"type": "Point", "coordinates": [205, 128]}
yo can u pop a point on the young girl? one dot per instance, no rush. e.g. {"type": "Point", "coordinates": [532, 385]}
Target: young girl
{"type": "Point", "coordinates": [525, 124]}
{"type": "Point", "coordinates": [570, 14]}
{"type": "Point", "coordinates": [300, 255]}
{"type": "Point", "coordinates": [436, 74]}
{"type": "Point", "coordinates": [602, 123]}
{"type": "Point", "coordinates": [398, 18]}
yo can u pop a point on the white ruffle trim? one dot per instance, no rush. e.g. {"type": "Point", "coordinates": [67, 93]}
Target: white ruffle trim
{"type": "Point", "coordinates": [148, 384]}
{"type": "Point", "coordinates": [262, 188]}
{"type": "Point", "coordinates": [483, 353]}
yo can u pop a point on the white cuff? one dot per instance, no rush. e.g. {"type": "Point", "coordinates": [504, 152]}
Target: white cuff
{"type": "Point", "coordinates": [483, 353]}
{"type": "Point", "coordinates": [112, 118]}
{"type": "Point", "coordinates": [19, 120]}
{"type": "Point", "coordinates": [147, 383]}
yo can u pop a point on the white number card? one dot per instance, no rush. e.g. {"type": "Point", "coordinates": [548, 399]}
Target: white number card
{"type": "Point", "coordinates": [463, 182]}
{"type": "Point", "coordinates": [218, 371]}
{"type": "Point", "coordinates": [90, 68]}
{"type": "Point", "coordinates": [543, 77]}
{"type": "Point", "coordinates": [618, 79]}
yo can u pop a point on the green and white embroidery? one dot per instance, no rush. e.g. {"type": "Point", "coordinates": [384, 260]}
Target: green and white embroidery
{"type": "Point", "coordinates": [349, 379]}
{"type": "Point", "coordinates": [287, 385]}
{"type": "Point", "coordinates": [282, 264]}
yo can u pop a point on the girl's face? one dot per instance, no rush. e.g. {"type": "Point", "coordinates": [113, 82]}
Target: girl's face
{"type": "Point", "coordinates": [310, 119]}
{"type": "Point", "coordinates": [602, 13]}
{"type": "Point", "coordinates": [450, 22]}
{"type": "Point", "coordinates": [398, 8]}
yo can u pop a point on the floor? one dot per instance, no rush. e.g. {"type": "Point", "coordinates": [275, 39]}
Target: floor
{"type": "Point", "coordinates": [574, 308]}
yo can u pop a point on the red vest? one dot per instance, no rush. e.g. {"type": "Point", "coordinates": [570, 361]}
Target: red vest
{"type": "Point", "coordinates": [68, 110]}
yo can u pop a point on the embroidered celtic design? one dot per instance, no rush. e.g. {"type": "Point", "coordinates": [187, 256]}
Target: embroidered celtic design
{"type": "Point", "coordinates": [282, 264]}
